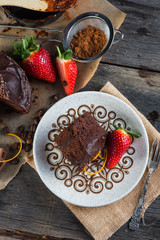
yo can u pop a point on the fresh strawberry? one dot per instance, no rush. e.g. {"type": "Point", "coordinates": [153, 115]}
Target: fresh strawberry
{"type": "Point", "coordinates": [118, 143]}
{"type": "Point", "coordinates": [36, 61]}
{"type": "Point", "coordinates": [67, 70]}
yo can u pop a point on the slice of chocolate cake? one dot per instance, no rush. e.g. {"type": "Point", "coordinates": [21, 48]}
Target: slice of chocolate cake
{"type": "Point", "coordinates": [15, 88]}
{"type": "Point", "coordinates": [81, 140]}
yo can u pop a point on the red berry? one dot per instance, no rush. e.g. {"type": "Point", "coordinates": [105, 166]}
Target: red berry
{"type": "Point", "coordinates": [67, 70]}
{"type": "Point", "coordinates": [36, 60]}
{"type": "Point", "coordinates": [118, 143]}
{"type": "Point", "coordinates": [39, 65]}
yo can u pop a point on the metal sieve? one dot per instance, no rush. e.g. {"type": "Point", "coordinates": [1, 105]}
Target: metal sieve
{"type": "Point", "coordinates": [97, 20]}
{"type": "Point", "coordinates": [80, 22]}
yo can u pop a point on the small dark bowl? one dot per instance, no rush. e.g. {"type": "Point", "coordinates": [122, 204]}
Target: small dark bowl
{"type": "Point", "coordinates": [30, 17]}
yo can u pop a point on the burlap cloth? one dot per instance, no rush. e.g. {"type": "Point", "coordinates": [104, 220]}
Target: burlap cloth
{"type": "Point", "coordinates": [102, 222]}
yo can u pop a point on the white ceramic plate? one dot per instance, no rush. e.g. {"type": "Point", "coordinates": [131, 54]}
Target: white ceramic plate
{"type": "Point", "coordinates": [62, 178]}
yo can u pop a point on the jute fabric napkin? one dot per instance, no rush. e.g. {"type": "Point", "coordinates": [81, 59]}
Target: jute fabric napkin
{"type": "Point", "coordinates": [102, 222]}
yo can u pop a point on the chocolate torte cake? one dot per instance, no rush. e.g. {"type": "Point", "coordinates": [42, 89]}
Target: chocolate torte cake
{"type": "Point", "coordinates": [81, 140]}
{"type": "Point", "coordinates": [15, 88]}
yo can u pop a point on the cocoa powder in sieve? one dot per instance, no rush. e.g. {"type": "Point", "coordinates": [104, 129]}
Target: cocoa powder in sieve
{"type": "Point", "coordinates": [88, 42]}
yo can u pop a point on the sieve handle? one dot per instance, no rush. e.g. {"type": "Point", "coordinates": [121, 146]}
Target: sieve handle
{"type": "Point", "coordinates": [31, 28]}
{"type": "Point", "coordinates": [121, 36]}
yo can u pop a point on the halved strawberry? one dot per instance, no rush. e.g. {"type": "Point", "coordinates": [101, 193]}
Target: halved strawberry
{"type": "Point", "coordinates": [67, 70]}
{"type": "Point", "coordinates": [118, 143]}
{"type": "Point", "coordinates": [36, 61]}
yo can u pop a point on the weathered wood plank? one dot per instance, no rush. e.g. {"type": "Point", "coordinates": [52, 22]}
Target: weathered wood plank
{"type": "Point", "coordinates": [7, 238]}
{"type": "Point", "coordinates": [26, 205]}
{"type": "Point", "coordinates": [140, 47]}
{"type": "Point", "coordinates": [150, 231]}
{"type": "Point", "coordinates": [141, 87]}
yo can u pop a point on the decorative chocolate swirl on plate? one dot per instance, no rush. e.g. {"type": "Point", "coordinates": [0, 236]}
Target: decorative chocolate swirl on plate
{"type": "Point", "coordinates": [64, 171]}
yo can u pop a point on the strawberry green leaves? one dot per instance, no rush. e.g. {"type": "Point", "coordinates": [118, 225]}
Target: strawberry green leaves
{"type": "Point", "coordinates": [136, 135]}
{"type": "Point", "coordinates": [22, 50]}
{"type": "Point", "coordinates": [35, 60]}
{"type": "Point", "coordinates": [66, 55]}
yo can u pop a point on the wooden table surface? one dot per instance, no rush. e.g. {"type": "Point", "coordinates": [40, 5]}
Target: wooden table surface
{"type": "Point", "coordinates": [28, 210]}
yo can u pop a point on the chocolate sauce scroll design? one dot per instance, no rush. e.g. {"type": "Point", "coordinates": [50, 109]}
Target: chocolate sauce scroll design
{"type": "Point", "coordinates": [69, 174]}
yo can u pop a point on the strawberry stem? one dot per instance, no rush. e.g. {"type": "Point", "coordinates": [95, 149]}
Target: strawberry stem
{"type": "Point", "coordinates": [59, 52]}
{"type": "Point", "coordinates": [67, 55]}
{"type": "Point", "coordinates": [136, 135]}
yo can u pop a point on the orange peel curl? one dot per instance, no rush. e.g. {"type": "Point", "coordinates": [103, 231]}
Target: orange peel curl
{"type": "Point", "coordinates": [96, 156]}
{"type": "Point", "coordinates": [20, 148]}
{"type": "Point", "coordinates": [101, 167]}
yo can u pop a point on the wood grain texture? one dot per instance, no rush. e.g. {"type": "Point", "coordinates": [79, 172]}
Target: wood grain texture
{"type": "Point", "coordinates": [30, 211]}
{"type": "Point", "coordinates": [140, 47]}
{"type": "Point", "coordinates": [141, 87]}
{"type": "Point", "coordinates": [6, 238]}
{"type": "Point", "coordinates": [28, 206]}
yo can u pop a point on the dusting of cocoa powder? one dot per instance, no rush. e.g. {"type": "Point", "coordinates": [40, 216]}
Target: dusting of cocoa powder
{"type": "Point", "coordinates": [88, 42]}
